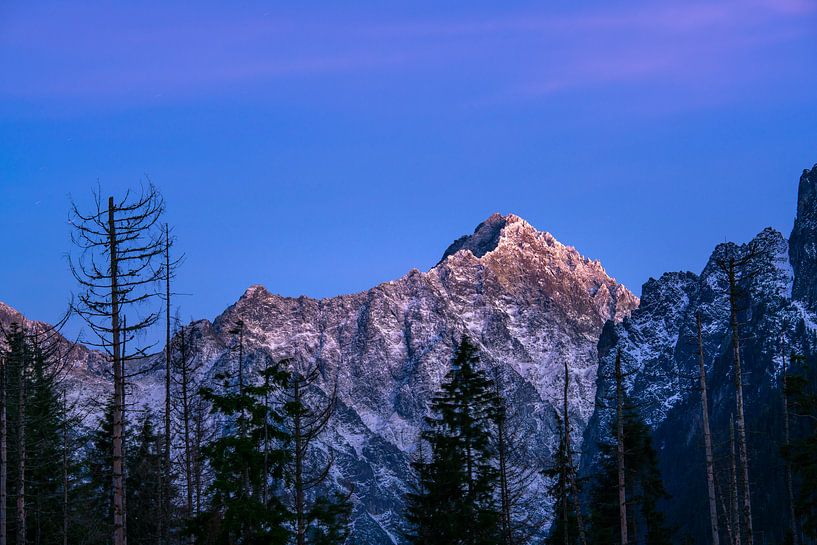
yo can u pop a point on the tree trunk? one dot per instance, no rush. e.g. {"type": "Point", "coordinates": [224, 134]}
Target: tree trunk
{"type": "Point", "coordinates": [21, 449]}
{"type": "Point", "coordinates": [734, 478]}
{"type": "Point", "coordinates": [565, 518]}
{"type": "Point", "coordinates": [300, 521]}
{"type": "Point", "coordinates": [726, 516]}
{"type": "Point", "coordinates": [165, 492]}
{"type": "Point", "coordinates": [741, 422]}
{"type": "Point", "coordinates": [64, 469]}
{"type": "Point", "coordinates": [198, 469]}
{"type": "Point", "coordinates": [188, 449]}
{"type": "Point", "coordinates": [622, 493]}
{"type": "Point", "coordinates": [789, 487]}
{"type": "Point", "coordinates": [571, 471]}
{"type": "Point", "coordinates": [505, 496]}
{"type": "Point", "coordinates": [119, 537]}
{"type": "Point", "coordinates": [3, 455]}
{"type": "Point", "coordinates": [710, 464]}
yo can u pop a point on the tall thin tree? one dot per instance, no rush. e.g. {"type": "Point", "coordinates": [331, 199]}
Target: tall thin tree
{"type": "Point", "coordinates": [622, 483]}
{"type": "Point", "coordinates": [3, 450]}
{"type": "Point", "coordinates": [570, 470]}
{"type": "Point", "coordinates": [734, 493]}
{"type": "Point", "coordinates": [739, 269]}
{"type": "Point", "coordinates": [119, 246]}
{"type": "Point", "coordinates": [710, 463]}
{"type": "Point", "coordinates": [787, 441]}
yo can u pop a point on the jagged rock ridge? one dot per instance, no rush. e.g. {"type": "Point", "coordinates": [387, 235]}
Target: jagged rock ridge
{"type": "Point", "coordinates": [527, 300]}
{"type": "Point", "coordinates": [658, 344]}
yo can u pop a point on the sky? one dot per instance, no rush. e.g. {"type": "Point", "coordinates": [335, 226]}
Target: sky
{"type": "Point", "coordinates": [322, 148]}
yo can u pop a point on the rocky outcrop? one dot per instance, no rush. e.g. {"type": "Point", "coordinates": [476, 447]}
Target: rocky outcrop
{"type": "Point", "coordinates": [658, 344]}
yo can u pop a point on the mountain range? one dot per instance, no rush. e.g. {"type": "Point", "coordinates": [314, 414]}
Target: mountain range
{"type": "Point", "coordinates": [529, 303]}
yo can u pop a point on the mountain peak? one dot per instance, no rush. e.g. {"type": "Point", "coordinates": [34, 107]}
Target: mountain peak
{"type": "Point", "coordinates": [485, 237]}
{"type": "Point", "coordinates": [803, 241]}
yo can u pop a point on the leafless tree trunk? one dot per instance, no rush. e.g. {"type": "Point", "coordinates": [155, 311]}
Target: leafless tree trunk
{"type": "Point", "coordinates": [298, 436]}
{"type": "Point", "coordinates": [21, 448]}
{"type": "Point", "coordinates": [622, 493]}
{"type": "Point", "coordinates": [727, 517]}
{"type": "Point", "coordinates": [3, 453]}
{"type": "Point", "coordinates": [188, 450]}
{"type": "Point", "coordinates": [308, 419]}
{"type": "Point", "coordinates": [735, 495]}
{"type": "Point", "coordinates": [710, 464]}
{"type": "Point", "coordinates": [789, 487]}
{"type": "Point", "coordinates": [119, 537]}
{"type": "Point", "coordinates": [64, 468]}
{"type": "Point", "coordinates": [563, 475]}
{"type": "Point", "coordinates": [123, 234]}
{"type": "Point", "coordinates": [740, 419]}
{"type": "Point", "coordinates": [165, 488]}
{"type": "Point", "coordinates": [505, 496]}
{"type": "Point", "coordinates": [571, 470]}
{"type": "Point", "coordinates": [506, 520]}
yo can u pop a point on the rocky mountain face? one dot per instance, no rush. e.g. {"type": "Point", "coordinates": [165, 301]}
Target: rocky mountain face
{"type": "Point", "coordinates": [528, 301]}
{"type": "Point", "coordinates": [658, 344]}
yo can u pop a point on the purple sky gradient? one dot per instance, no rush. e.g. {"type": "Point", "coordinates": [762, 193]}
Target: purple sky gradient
{"type": "Point", "coordinates": [324, 148]}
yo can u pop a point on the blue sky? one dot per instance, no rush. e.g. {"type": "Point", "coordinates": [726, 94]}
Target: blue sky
{"type": "Point", "coordinates": [322, 148]}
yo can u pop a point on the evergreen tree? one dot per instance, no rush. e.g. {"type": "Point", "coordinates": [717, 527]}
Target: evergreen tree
{"type": "Point", "coordinates": [565, 527]}
{"type": "Point", "coordinates": [456, 497]}
{"type": "Point", "coordinates": [318, 517]}
{"type": "Point", "coordinates": [329, 520]}
{"type": "Point", "coordinates": [801, 453]}
{"type": "Point", "coordinates": [34, 423]}
{"type": "Point", "coordinates": [644, 488]}
{"type": "Point", "coordinates": [245, 465]}
{"type": "Point", "coordinates": [144, 483]}
{"type": "Point", "coordinates": [93, 524]}
{"type": "Point", "coordinates": [45, 417]}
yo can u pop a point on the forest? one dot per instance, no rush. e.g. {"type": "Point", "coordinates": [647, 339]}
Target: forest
{"type": "Point", "coordinates": [236, 457]}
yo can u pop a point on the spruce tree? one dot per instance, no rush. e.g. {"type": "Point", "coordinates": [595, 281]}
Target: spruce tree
{"type": "Point", "coordinates": [801, 453]}
{"type": "Point", "coordinates": [318, 517]}
{"type": "Point", "coordinates": [93, 524]}
{"type": "Point", "coordinates": [456, 497]}
{"type": "Point", "coordinates": [565, 527]}
{"type": "Point", "coordinates": [144, 487]}
{"type": "Point", "coordinates": [645, 489]}
{"type": "Point", "coordinates": [34, 423]}
{"type": "Point", "coordinates": [244, 464]}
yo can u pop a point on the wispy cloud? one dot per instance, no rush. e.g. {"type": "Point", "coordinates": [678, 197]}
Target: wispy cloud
{"type": "Point", "coordinates": [128, 55]}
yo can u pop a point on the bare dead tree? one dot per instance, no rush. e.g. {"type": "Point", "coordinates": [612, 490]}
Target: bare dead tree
{"type": "Point", "coordinates": [170, 266]}
{"type": "Point", "coordinates": [502, 454]}
{"type": "Point", "coordinates": [185, 381]}
{"type": "Point", "coordinates": [622, 484]}
{"type": "Point", "coordinates": [787, 439]}
{"type": "Point", "coordinates": [65, 468]}
{"type": "Point", "coordinates": [3, 451]}
{"type": "Point", "coordinates": [308, 416]}
{"type": "Point", "coordinates": [118, 247]}
{"type": "Point", "coordinates": [519, 521]}
{"type": "Point", "coordinates": [734, 494]}
{"type": "Point", "coordinates": [571, 469]}
{"type": "Point", "coordinates": [727, 517]}
{"type": "Point", "coordinates": [739, 269]}
{"type": "Point", "coordinates": [21, 369]}
{"type": "Point", "coordinates": [710, 463]}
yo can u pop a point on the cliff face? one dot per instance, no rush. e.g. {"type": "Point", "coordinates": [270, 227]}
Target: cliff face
{"type": "Point", "coordinates": [659, 350]}
{"type": "Point", "coordinates": [527, 300]}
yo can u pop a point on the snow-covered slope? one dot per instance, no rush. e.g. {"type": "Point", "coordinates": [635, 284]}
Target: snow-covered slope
{"type": "Point", "coordinates": [658, 344]}
{"type": "Point", "coordinates": [527, 300]}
